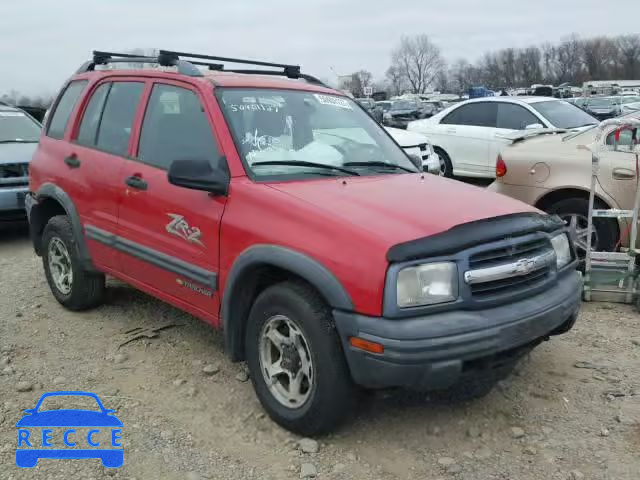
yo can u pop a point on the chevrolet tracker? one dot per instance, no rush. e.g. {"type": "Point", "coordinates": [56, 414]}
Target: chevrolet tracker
{"type": "Point", "coordinates": [276, 209]}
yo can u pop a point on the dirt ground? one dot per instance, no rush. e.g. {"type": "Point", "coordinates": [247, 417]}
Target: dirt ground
{"type": "Point", "coordinates": [571, 411]}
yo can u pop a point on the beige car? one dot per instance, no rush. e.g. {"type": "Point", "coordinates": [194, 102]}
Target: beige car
{"type": "Point", "coordinates": [552, 171]}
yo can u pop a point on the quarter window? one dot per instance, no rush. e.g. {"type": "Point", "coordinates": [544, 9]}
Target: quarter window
{"type": "Point", "coordinates": [117, 117]}
{"type": "Point", "coordinates": [60, 118]}
{"type": "Point", "coordinates": [515, 117]}
{"type": "Point", "coordinates": [175, 127]}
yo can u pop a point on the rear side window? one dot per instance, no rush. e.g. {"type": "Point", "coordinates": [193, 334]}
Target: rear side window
{"type": "Point", "coordinates": [473, 114]}
{"type": "Point", "coordinates": [515, 117]}
{"type": "Point", "coordinates": [120, 107]}
{"type": "Point", "coordinates": [93, 113]}
{"type": "Point", "coordinates": [66, 104]}
{"type": "Point", "coordinates": [175, 127]}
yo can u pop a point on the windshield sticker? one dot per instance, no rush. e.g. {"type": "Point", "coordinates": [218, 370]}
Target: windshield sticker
{"type": "Point", "coordinates": [12, 114]}
{"type": "Point", "coordinates": [333, 101]}
{"type": "Point", "coordinates": [253, 107]}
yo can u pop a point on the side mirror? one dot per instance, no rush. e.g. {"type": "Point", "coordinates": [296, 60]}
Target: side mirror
{"type": "Point", "coordinates": [416, 160]}
{"type": "Point", "coordinates": [200, 175]}
{"type": "Point", "coordinates": [534, 126]}
{"type": "Point", "coordinates": [30, 410]}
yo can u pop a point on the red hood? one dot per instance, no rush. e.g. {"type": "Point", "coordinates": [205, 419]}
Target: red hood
{"type": "Point", "coordinates": [399, 208]}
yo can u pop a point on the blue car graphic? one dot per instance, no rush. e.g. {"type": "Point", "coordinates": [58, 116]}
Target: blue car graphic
{"type": "Point", "coordinates": [29, 452]}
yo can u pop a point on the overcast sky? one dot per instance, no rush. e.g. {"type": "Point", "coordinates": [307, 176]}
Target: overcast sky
{"type": "Point", "coordinates": [44, 41]}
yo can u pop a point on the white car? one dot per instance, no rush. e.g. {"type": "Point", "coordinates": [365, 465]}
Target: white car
{"type": "Point", "coordinates": [417, 144]}
{"type": "Point", "coordinates": [469, 135]}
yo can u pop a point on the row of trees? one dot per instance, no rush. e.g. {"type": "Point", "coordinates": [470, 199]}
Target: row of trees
{"type": "Point", "coordinates": [417, 65]}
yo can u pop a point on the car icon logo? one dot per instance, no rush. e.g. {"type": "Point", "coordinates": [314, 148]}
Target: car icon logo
{"type": "Point", "coordinates": [69, 433]}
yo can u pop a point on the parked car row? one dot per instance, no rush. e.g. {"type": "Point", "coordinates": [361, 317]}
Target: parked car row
{"type": "Point", "coordinates": [607, 107]}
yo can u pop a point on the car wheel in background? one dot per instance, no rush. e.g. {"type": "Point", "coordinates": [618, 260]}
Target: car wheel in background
{"type": "Point", "coordinates": [295, 360]}
{"type": "Point", "coordinates": [446, 167]}
{"type": "Point", "coordinates": [70, 283]}
{"type": "Point", "coordinates": [574, 212]}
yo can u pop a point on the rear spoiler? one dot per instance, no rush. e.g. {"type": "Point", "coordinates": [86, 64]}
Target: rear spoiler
{"type": "Point", "coordinates": [521, 135]}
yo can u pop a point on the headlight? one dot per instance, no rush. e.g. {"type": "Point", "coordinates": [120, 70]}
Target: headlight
{"type": "Point", "coordinates": [561, 245]}
{"type": "Point", "coordinates": [387, 116]}
{"type": "Point", "coordinates": [427, 284]}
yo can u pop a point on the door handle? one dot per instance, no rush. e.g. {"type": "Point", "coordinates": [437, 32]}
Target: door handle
{"type": "Point", "coordinates": [136, 182]}
{"type": "Point", "coordinates": [72, 161]}
{"type": "Point", "coordinates": [623, 174]}
{"type": "Point", "coordinates": [450, 130]}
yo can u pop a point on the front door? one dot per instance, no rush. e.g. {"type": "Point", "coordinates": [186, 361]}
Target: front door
{"type": "Point", "coordinates": [170, 235]}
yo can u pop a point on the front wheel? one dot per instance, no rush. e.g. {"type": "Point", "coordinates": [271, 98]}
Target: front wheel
{"type": "Point", "coordinates": [446, 167]}
{"type": "Point", "coordinates": [295, 360]}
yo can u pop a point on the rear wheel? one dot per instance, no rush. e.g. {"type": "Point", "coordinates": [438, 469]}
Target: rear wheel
{"type": "Point", "coordinates": [575, 213]}
{"type": "Point", "coordinates": [295, 360]}
{"type": "Point", "coordinates": [446, 167]}
{"type": "Point", "coordinates": [70, 283]}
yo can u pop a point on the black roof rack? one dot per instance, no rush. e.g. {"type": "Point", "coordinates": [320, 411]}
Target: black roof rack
{"type": "Point", "coordinates": [165, 60]}
{"type": "Point", "coordinates": [168, 58]}
{"type": "Point", "coordinates": [289, 71]}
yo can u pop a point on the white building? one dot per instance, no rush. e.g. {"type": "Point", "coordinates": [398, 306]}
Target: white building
{"type": "Point", "coordinates": [609, 87]}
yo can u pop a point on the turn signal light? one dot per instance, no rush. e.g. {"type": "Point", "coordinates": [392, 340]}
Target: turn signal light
{"type": "Point", "coordinates": [366, 345]}
{"type": "Point", "coordinates": [501, 167]}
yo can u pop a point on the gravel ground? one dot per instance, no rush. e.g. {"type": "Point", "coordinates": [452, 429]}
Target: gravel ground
{"type": "Point", "coordinates": [571, 411]}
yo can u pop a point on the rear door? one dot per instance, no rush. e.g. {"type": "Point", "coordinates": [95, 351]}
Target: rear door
{"type": "Point", "coordinates": [466, 133]}
{"type": "Point", "coordinates": [170, 235]}
{"type": "Point", "coordinates": [100, 143]}
{"type": "Point", "coordinates": [621, 179]}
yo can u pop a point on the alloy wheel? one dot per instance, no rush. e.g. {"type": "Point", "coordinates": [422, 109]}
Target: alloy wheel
{"type": "Point", "coordinates": [578, 231]}
{"type": "Point", "coordinates": [285, 361]}
{"type": "Point", "coordinates": [60, 265]}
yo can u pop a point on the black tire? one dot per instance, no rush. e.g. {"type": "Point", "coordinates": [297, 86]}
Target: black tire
{"type": "Point", "coordinates": [606, 230]}
{"type": "Point", "coordinates": [86, 288]}
{"type": "Point", "coordinates": [332, 393]}
{"type": "Point", "coordinates": [446, 167]}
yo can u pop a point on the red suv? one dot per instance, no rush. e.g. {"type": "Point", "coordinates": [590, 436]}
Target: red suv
{"type": "Point", "coordinates": [278, 210]}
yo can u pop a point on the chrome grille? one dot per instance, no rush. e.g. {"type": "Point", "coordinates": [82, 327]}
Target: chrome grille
{"type": "Point", "coordinates": [14, 174]}
{"type": "Point", "coordinates": [510, 269]}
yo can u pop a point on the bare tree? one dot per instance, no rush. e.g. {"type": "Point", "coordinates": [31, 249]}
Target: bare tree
{"type": "Point", "coordinates": [528, 66]}
{"type": "Point", "coordinates": [568, 61]}
{"type": "Point", "coordinates": [394, 80]}
{"type": "Point", "coordinates": [629, 48]}
{"type": "Point", "coordinates": [418, 61]}
{"type": "Point", "coordinates": [442, 81]}
{"type": "Point", "coordinates": [599, 56]}
{"type": "Point", "coordinates": [360, 80]}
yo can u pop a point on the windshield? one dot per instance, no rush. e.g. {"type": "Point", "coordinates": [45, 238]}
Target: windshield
{"type": "Point", "coordinates": [403, 105]}
{"type": "Point", "coordinates": [16, 126]}
{"type": "Point", "coordinates": [563, 114]}
{"type": "Point", "coordinates": [282, 133]}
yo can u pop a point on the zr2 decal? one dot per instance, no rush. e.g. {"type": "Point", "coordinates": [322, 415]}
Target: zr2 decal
{"type": "Point", "coordinates": [179, 227]}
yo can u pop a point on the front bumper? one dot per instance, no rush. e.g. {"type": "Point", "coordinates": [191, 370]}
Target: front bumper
{"type": "Point", "coordinates": [12, 202]}
{"type": "Point", "coordinates": [433, 352]}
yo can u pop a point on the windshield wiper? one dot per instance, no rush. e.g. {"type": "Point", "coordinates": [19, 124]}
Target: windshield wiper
{"type": "Point", "coordinates": [379, 164]}
{"type": "Point", "coordinates": [18, 141]}
{"type": "Point", "coordinates": [296, 163]}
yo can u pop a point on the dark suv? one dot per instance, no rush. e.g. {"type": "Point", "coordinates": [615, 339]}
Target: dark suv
{"type": "Point", "coordinates": [277, 209]}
